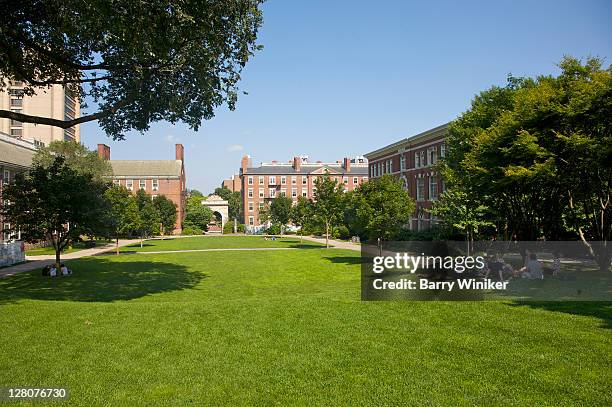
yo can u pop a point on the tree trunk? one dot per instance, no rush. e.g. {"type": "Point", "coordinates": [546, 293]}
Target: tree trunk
{"type": "Point", "coordinates": [117, 246]}
{"type": "Point", "coordinates": [58, 261]}
{"type": "Point", "coordinates": [327, 235]}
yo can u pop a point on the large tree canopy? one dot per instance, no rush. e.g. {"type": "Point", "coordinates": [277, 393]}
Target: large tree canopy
{"type": "Point", "coordinates": [139, 62]}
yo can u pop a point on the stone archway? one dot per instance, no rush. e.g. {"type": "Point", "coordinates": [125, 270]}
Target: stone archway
{"type": "Point", "coordinates": [218, 206]}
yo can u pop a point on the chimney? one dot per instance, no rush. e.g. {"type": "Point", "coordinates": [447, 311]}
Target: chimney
{"type": "Point", "coordinates": [347, 164]}
{"type": "Point", "coordinates": [297, 163]}
{"type": "Point", "coordinates": [179, 152]}
{"type": "Point", "coordinates": [244, 163]}
{"type": "Point", "coordinates": [104, 151]}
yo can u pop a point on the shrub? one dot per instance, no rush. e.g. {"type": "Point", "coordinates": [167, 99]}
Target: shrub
{"type": "Point", "coordinates": [228, 228]}
{"type": "Point", "coordinates": [274, 229]}
{"type": "Point", "coordinates": [191, 230]}
{"type": "Point", "coordinates": [342, 232]}
{"type": "Point", "coordinates": [241, 228]}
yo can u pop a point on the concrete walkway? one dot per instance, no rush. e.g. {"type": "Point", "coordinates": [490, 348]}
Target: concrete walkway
{"type": "Point", "coordinates": [235, 249]}
{"type": "Point", "coordinates": [38, 262]}
{"type": "Point", "coordinates": [338, 244]}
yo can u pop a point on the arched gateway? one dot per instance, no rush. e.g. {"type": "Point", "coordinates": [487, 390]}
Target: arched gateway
{"type": "Point", "coordinates": [219, 207]}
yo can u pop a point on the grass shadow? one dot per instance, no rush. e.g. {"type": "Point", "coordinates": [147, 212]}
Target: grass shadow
{"type": "Point", "coordinates": [601, 310]}
{"type": "Point", "coordinates": [100, 280]}
{"type": "Point", "coordinates": [344, 259]}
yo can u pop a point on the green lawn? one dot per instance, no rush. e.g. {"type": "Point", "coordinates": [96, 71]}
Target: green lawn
{"type": "Point", "coordinates": [287, 327]}
{"type": "Point", "coordinates": [217, 242]}
{"type": "Point", "coordinates": [50, 250]}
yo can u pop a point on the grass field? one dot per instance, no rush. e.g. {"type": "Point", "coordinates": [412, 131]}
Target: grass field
{"type": "Point", "coordinates": [287, 327]}
{"type": "Point", "coordinates": [217, 242]}
{"type": "Point", "coordinates": [71, 249]}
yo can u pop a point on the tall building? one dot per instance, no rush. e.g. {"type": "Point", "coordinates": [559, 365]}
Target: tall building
{"type": "Point", "coordinates": [15, 157]}
{"type": "Point", "coordinates": [413, 160]}
{"type": "Point", "coordinates": [55, 102]}
{"type": "Point", "coordinates": [232, 183]}
{"type": "Point", "coordinates": [295, 178]}
{"type": "Point", "coordinates": [156, 177]}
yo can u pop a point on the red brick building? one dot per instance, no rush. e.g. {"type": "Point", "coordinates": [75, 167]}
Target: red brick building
{"type": "Point", "coordinates": [233, 183]}
{"type": "Point", "coordinates": [295, 178]}
{"type": "Point", "coordinates": [156, 177]}
{"type": "Point", "coordinates": [414, 160]}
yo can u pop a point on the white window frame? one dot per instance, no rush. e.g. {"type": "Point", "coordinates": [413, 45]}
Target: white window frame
{"type": "Point", "coordinates": [304, 180]}
{"type": "Point", "coordinates": [272, 180]}
{"type": "Point", "coordinates": [251, 220]}
{"type": "Point", "coordinates": [129, 184]}
{"type": "Point", "coordinates": [261, 180]}
{"type": "Point", "coordinates": [402, 162]}
{"type": "Point", "coordinates": [155, 184]}
{"type": "Point", "coordinates": [250, 193]}
{"type": "Point", "coordinates": [293, 180]}
{"type": "Point", "coordinates": [355, 180]}
{"type": "Point", "coordinates": [250, 180]}
{"type": "Point", "coordinates": [142, 184]}
{"type": "Point", "coordinates": [420, 189]}
{"type": "Point", "coordinates": [293, 192]}
{"type": "Point", "coordinates": [433, 188]}
{"type": "Point", "coordinates": [261, 193]}
{"type": "Point", "coordinates": [272, 192]}
{"type": "Point", "coordinates": [251, 206]}
{"type": "Point", "coordinates": [283, 180]}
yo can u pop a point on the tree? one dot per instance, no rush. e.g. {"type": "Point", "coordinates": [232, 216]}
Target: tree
{"type": "Point", "coordinates": [139, 62]}
{"type": "Point", "coordinates": [167, 213]}
{"type": "Point", "coordinates": [194, 192]}
{"type": "Point", "coordinates": [197, 214]}
{"type": "Point", "coordinates": [148, 216]}
{"type": "Point", "coordinates": [264, 214]}
{"type": "Point", "coordinates": [77, 156]}
{"type": "Point", "coordinates": [301, 213]}
{"type": "Point", "coordinates": [123, 217]}
{"type": "Point", "coordinates": [382, 207]}
{"type": "Point", "coordinates": [54, 203]}
{"type": "Point", "coordinates": [234, 201]}
{"type": "Point", "coordinates": [537, 155]}
{"type": "Point", "coordinates": [326, 207]}
{"type": "Point", "coordinates": [280, 210]}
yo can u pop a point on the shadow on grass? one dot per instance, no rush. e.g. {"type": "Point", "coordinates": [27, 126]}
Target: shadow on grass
{"type": "Point", "coordinates": [100, 280]}
{"type": "Point", "coordinates": [344, 259]}
{"type": "Point", "coordinates": [601, 310]}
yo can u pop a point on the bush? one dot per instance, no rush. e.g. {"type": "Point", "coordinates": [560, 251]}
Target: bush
{"type": "Point", "coordinates": [241, 228]}
{"type": "Point", "coordinates": [274, 229]}
{"type": "Point", "coordinates": [342, 232]}
{"type": "Point", "coordinates": [435, 233]}
{"type": "Point", "coordinates": [228, 228]}
{"type": "Point", "coordinates": [191, 230]}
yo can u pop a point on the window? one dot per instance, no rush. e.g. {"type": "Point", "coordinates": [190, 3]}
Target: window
{"type": "Point", "coordinates": [283, 192]}
{"type": "Point", "coordinates": [283, 180]}
{"type": "Point", "coordinates": [142, 184]}
{"type": "Point", "coordinates": [294, 193]}
{"type": "Point", "coordinates": [293, 180]}
{"type": "Point", "coordinates": [251, 220]}
{"type": "Point", "coordinates": [7, 176]}
{"type": "Point", "coordinates": [303, 180]}
{"type": "Point", "coordinates": [261, 206]}
{"type": "Point", "coordinates": [155, 184]}
{"type": "Point", "coordinates": [250, 194]}
{"type": "Point", "coordinates": [272, 193]}
{"type": "Point", "coordinates": [304, 194]}
{"type": "Point", "coordinates": [129, 184]}
{"type": "Point", "coordinates": [272, 181]}
{"type": "Point", "coordinates": [116, 182]}
{"type": "Point", "coordinates": [432, 153]}
{"type": "Point", "coordinates": [442, 150]}
{"type": "Point", "coordinates": [345, 180]}
{"type": "Point", "coordinates": [419, 159]}
{"type": "Point", "coordinates": [402, 162]}
{"type": "Point", "coordinates": [389, 166]}
{"type": "Point", "coordinates": [355, 180]}
{"type": "Point", "coordinates": [443, 186]}
{"type": "Point", "coordinates": [433, 188]}
{"type": "Point", "coordinates": [17, 102]}
{"type": "Point", "coordinates": [16, 132]}
{"type": "Point", "coordinates": [420, 189]}
{"type": "Point", "coordinates": [261, 193]}
{"type": "Point", "coordinates": [251, 206]}
{"type": "Point", "coordinates": [261, 180]}
{"type": "Point", "coordinates": [250, 180]}
{"type": "Point", "coordinates": [379, 170]}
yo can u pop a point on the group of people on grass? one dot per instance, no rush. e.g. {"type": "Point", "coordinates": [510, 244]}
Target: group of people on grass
{"type": "Point", "coordinates": [52, 270]}
{"type": "Point", "coordinates": [532, 268]}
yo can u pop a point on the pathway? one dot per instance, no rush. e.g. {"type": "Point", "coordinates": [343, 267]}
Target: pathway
{"type": "Point", "coordinates": [38, 262]}
{"type": "Point", "coordinates": [338, 244]}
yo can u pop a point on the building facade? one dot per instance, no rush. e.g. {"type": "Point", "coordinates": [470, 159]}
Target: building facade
{"type": "Point", "coordinates": [260, 185]}
{"type": "Point", "coordinates": [414, 160]}
{"type": "Point", "coordinates": [15, 157]}
{"type": "Point", "coordinates": [233, 183]}
{"type": "Point", "coordinates": [55, 102]}
{"type": "Point", "coordinates": [156, 177]}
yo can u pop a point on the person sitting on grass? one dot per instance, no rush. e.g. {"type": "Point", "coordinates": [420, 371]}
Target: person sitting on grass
{"type": "Point", "coordinates": [53, 271]}
{"type": "Point", "coordinates": [65, 270]}
{"type": "Point", "coordinates": [498, 266]}
{"type": "Point", "coordinates": [533, 268]}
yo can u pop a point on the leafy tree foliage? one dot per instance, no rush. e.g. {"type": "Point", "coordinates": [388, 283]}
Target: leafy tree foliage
{"type": "Point", "coordinates": [537, 153]}
{"type": "Point", "coordinates": [280, 210]}
{"type": "Point", "coordinates": [196, 214]}
{"type": "Point", "coordinates": [139, 62]}
{"type": "Point", "coordinates": [148, 216]}
{"type": "Point", "coordinates": [167, 213]}
{"type": "Point", "coordinates": [327, 208]}
{"type": "Point", "coordinates": [54, 203]}
{"type": "Point", "coordinates": [301, 213]}
{"type": "Point", "coordinates": [76, 156]}
{"type": "Point", "coordinates": [123, 217]}
{"type": "Point", "coordinates": [380, 207]}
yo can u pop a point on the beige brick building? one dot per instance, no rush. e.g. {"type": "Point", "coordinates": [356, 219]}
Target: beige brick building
{"type": "Point", "coordinates": [54, 102]}
{"type": "Point", "coordinates": [156, 177]}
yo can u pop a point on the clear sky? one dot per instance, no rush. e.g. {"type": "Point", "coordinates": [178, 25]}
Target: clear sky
{"type": "Point", "coordinates": [342, 78]}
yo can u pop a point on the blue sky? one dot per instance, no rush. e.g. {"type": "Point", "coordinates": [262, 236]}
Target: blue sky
{"type": "Point", "coordinates": [342, 78]}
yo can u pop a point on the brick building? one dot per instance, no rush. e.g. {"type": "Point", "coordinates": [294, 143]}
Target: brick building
{"type": "Point", "coordinates": [233, 183]}
{"type": "Point", "coordinates": [15, 157]}
{"type": "Point", "coordinates": [156, 177]}
{"type": "Point", "coordinates": [413, 159]}
{"type": "Point", "coordinates": [295, 178]}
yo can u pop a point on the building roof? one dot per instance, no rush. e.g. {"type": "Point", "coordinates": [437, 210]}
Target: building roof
{"type": "Point", "coordinates": [146, 168]}
{"type": "Point", "coordinates": [15, 152]}
{"type": "Point", "coordinates": [305, 169]}
{"type": "Point", "coordinates": [421, 137]}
